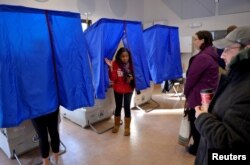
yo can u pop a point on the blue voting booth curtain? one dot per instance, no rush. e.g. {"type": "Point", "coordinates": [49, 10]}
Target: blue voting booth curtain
{"type": "Point", "coordinates": [103, 38]}
{"type": "Point", "coordinates": [163, 52]}
{"type": "Point", "coordinates": [72, 69]}
{"type": "Point", "coordinates": [32, 64]}
{"type": "Point", "coordinates": [28, 85]}
{"type": "Point", "coordinates": [134, 37]}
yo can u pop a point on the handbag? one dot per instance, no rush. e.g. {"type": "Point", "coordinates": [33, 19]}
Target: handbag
{"type": "Point", "coordinates": [185, 130]}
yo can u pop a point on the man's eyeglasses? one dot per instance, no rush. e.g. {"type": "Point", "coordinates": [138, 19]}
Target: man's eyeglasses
{"type": "Point", "coordinates": [227, 49]}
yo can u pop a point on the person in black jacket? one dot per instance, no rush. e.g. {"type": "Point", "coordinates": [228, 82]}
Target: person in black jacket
{"type": "Point", "coordinates": [225, 126]}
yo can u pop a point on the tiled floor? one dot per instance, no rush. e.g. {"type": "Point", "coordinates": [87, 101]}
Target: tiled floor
{"type": "Point", "coordinates": [153, 140]}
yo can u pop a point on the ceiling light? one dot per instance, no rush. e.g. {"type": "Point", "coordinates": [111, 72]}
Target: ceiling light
{"type": "Point", "coordinates": [41, 0]}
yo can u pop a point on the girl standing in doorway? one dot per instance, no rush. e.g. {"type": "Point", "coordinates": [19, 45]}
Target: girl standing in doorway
{"type": "Point", "coordinates": [121, 73]}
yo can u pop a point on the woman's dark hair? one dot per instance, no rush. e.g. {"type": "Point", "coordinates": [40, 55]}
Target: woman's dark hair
{"type": "Point", "coordinates": [119, 53]}
{"type": "Point", "coordinates": [207, 36]}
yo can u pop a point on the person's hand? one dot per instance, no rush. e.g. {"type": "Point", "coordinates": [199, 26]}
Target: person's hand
{"type": "Point", "coordinates": [129, 79]}
{"type": "Point", "coordinates": [199, 110]}
{"type": "Point", "coordinates": [108, 62]}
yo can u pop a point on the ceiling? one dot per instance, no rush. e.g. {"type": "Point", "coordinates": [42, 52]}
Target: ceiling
{"type": "Point", "coordinates": [188, 9]}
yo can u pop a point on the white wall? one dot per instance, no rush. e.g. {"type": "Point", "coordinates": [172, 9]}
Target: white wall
{"type": "Point", "coordinates": [147, 10]}
{"type": "Point", "coordinates": [214, 23]}
{"type": "Point", "coordinates": [64, 5]}
{"type": "Point", "coordinates": [157, 10]}
{"type": "Point", "coordinates": [133, 9]}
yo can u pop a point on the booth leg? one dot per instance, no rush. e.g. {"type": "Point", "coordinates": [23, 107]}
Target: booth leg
{"type": "Point", "coordinates": [16, 157]}
{"type": "Point", "coordinates": [148, 110]}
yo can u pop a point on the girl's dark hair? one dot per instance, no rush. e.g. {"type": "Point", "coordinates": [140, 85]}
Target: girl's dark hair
{"type": "Point", "coordinates": [126, 74]}
{"type": "Point", "coordinates": [119, 53]}
{"type": "Point", "coordinates": [207, 36]}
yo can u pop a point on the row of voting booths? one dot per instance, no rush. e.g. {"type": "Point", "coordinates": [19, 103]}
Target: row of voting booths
{"type": "Point", "coordinates": [155, 56]}
{"type": "Point", "coordinates": [103, 38]}
{"type": "Point", "coordinates": [41, 69]}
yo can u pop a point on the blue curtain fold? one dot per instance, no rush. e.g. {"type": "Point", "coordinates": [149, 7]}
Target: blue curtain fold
{"type": "Point", "coordinates": [72, 65]}
{"type": "Point", "coordinates": [35, 72]}
{"type": "Point", "coordinates": [28, 86]}
{"type": "Point", "coordinates": [103, 38]}
{"type": "Point", "coordinates": [134, 38]}
{"type": "Point", "coordinates": [163, 52]}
